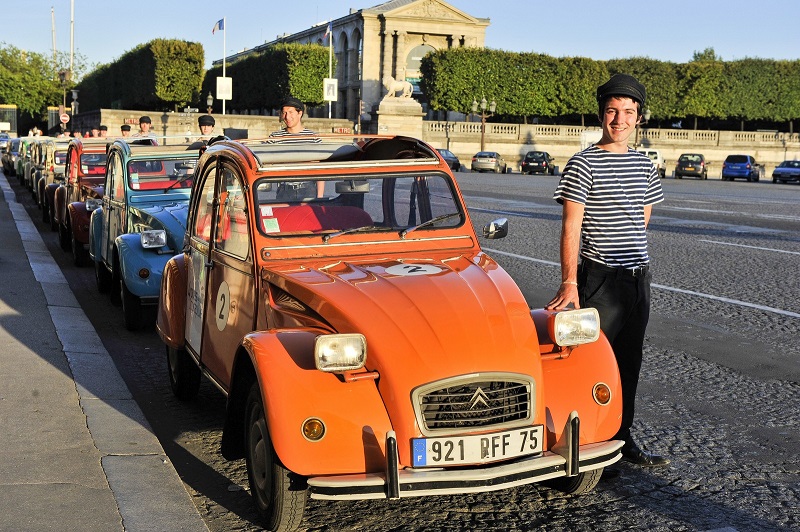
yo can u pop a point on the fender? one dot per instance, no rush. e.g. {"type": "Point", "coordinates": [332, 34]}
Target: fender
{"type": "Point", "coordinates": [96, 234]}
{"type": "Point", "coordinates": [171, 320]}
{"type": "Point", "coordinates": [293, 390]}
{"type": "Point", "coordinates": [569, 380]}
{"type": "Point", "coordinates": [60, 203]}
{"type": "Point", "coordinates": [133, 258]}
{"type": "Point", "coordinates": [79, 221]}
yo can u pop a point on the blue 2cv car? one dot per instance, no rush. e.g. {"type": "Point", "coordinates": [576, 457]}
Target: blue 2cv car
{"type": "Point", "coordinates": [141, 223]}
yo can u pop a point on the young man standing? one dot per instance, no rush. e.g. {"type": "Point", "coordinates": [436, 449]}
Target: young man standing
{"type": "Point", "coordinates": [608, 191]}
{"type": "Point", "coordinates": [206, 124]}
{"type": "Point", "coordinates": [144, 127]}
{"type": "Point", "coordinates": [125, 130]}
{"type": "Point", "coordinates": [292, 111]}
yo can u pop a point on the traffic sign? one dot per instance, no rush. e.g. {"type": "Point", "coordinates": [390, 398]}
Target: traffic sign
{"type": "Point", "coordinates": [64, 118]}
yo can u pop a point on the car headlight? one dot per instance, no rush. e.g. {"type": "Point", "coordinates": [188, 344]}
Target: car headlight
{"type": "Point", "coordinates": [92, 204]}
{"type": "Point", "coordinates": [154, 239]}
{"type": "Point", "coordinates": [340, 352]}
{"type": "Point", "coordinates": [575, 327]}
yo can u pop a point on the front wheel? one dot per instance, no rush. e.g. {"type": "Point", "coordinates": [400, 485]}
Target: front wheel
{"type": "Point", "coordinates": [577, 485]}
{"type": "Point", "coordinates": [184, 375]}
{"type": "Point", "coordinates": [131, 307]}
{"type": "Point", "coordinates": [79, 255]}
{"type": "Point", "coordinates": [102, 277]}
{"type": "Point", "coordinates": [279, 494]}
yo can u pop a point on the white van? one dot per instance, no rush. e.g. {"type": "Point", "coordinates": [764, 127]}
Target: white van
{"type": "Point", "coordinates": [657, 159]}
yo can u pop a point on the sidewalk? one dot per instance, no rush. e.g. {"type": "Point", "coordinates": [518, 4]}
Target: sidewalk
{"type": "Point", "coordinates": [77, 452]}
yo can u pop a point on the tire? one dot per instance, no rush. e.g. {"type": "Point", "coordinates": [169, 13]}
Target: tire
{"type": "Point", "coordinates": [102, 277]}
{"type": "Point", "coordinates": [79, 255]}
{"type": "Point", "coordinates": [53, 223]}
{"type": "Point", "coordinates": [64, 238]}
{"type": "Point", "coordinates": [578, 485]}
{"type": "Point", "coordinates": [184, 375]}
{"type": "Point", "coordinates": [131, 307]}
{"type": "Point", "coordinates": [279, 494]}
{"type": "Point", "coordinates": [46, 212]}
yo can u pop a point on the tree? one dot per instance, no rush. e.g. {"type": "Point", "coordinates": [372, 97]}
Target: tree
{"type": "Point", "coordinates": [578, 79]}
{"type": "Point", "coordinates": [702, 87]}
{"type": "Point", "coordinates": [27, 80]}
{"type": "Point", "coordinates": [659, 78]}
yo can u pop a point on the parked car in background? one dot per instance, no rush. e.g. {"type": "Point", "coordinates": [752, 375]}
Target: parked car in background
{"type": "Point", "coordinates": [740, 167]}
{"type": "Point", "coordinates": [658, 160]}
{"type": "Point", "coordinates": [141, 223]}
{"type": "Point", "coordinates": [787, 172]}
{"type": "Point", "coordinates": [10, 156]}
{"type": "Point", "coordinates": [24, 159]}
{"type": "Point", "coordinates": [538, 162]}
{"type": "Point", "coordinates": [488, 161]}
{"type": "Point", "coordinates": [367, 346]}
{"type": "Point", "coordinates": [79, 195]}
{"type": "Point", "coordinates": [450, 158]}
{"type": "Point", "coordinates": [691, 165]}
{"type": "Point", "coordinates": [52, 176]}
{"type": "Point", "coordinates": [4, 138]}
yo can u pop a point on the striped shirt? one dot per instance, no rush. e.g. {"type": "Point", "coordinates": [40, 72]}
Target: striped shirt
{"type": "Point", "coordinates": [614, 189]}
{"type": "Point", "coordinates": [283, 133]}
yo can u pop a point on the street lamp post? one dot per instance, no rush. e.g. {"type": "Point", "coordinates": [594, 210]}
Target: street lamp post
{"type": "Point", "coordinates": [63, 76]}
{"type": "Point", "coordinates": [645, 119]}
{"type": "Point", "coordinates": [484, 115]}
{"type": "Point", "coordinates": [210, 101]}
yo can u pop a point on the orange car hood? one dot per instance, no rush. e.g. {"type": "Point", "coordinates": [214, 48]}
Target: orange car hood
{"type": "Point", "coordinates": [424, 320]}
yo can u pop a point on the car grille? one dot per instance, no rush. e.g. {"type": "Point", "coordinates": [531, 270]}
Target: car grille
{"type": "Point", "coordinates": [474, 402]}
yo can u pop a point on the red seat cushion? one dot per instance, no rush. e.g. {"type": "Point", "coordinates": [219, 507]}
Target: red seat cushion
{"type": "Point", "coordinates": [312, 218]}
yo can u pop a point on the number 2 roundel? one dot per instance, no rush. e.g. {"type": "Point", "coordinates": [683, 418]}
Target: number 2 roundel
{"type": "Point", "coordinates": [223, 306]}
{"type": "Point", "coordinates": [406, 270]}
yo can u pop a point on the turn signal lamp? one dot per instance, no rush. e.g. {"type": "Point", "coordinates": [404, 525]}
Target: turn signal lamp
{"type": "Point", "coordinates": [340, 352]}
{"type": "Point", "coordinates": [601, 393]}
{"type": "Point", "coordinates": [575, 327]}
{"type": "Point", "coordinates": [313, 429]}
{"type": "Point", "coordinates": [154, 239]}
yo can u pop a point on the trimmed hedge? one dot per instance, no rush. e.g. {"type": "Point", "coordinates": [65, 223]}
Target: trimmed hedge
{"type": "Point", "coordinates": [161, 74]}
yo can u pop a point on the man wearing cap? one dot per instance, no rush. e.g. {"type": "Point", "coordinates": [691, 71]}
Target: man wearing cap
{"type": "Point", "coordinates": [125, 130]}
{"type": "Point", "coordinates": [206, 124]}
{"type": "Point", "coordinates": [144, 127]}
{"type": "Point", "coordinates": [103, 130]}
{"type": "Point", "coordinates": [607, 192]}
{"type": "Point", "coordinates": [292, 111]}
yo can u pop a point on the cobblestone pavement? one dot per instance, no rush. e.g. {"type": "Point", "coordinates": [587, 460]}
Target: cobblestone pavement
{"type": "Point", "coordinates": [719, 392]}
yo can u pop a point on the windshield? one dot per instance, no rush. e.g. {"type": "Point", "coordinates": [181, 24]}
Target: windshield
{"type": "Point", "coordinates": [739, 159]}
{"type": "Point", "coordinates": [93, 163]}
{"type": "Point", "coordinates": [151, 174]}
{"type": "Point", "coordinates": [367, 203]}
{"type": "Point", "coordinates": [690, 158]}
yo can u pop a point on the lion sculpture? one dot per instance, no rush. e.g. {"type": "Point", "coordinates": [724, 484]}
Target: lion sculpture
{"type": "Point", "coordinates": [394, 86]}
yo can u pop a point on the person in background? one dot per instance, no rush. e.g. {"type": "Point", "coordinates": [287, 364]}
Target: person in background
{"type": "Point", "coordinates": [144, 127]}
{"type": "Point", "coordinates": [103, 130]}
{"type": "Point", "coordinates": [95, 131]}
{"type": "Point", "coordinates": [125, 130]}
{"type": "Point", "coordinates": [292, 111]}
{"type": "Point", "coordinates": [607, 192]}
{"type": "Point", "coordinates": [206, 124]}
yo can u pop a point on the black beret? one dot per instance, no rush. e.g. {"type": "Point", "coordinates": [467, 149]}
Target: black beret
{"type": "Point", "coordinates": [125, 127]}
{"type": "Point", "coordinates": [205, 120]}
{"type": "Point", "coordinates": [103, 128]}
{"type": "Point", "coordinates": [144, 120]}
{"type": "Point", "coordinates": [622, 85]}
{"type": "Point", "coordinates": [293, 102]}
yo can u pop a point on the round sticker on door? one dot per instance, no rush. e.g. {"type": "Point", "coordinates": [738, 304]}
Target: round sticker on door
{"type": "Point", "coordinates": [223, 306]}
{"type": "Point", "coordinates": [413, 269]}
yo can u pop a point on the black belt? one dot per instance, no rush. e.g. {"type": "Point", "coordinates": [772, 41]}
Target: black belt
{"type": "Point", "coordinates": [638, 271]}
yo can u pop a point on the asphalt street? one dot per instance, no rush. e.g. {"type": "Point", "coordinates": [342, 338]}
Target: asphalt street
{"type": "Point", "coordinates": [719, 391]}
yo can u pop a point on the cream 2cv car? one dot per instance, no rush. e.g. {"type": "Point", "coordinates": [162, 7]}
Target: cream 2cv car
{"type": "Point", "coordinates": [336, 293]}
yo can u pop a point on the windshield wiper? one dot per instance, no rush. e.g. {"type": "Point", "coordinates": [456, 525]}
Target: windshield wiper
{"type": "Point", "coordinates": [327, 237]}
{"type": "Point", "coordinates": [178, 182]}
{"type": "Point", "coordinates": [432, 221]}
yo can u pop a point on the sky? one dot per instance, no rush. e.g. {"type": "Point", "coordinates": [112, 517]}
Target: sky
{"type": "Point", "coordinates": [667, 30]}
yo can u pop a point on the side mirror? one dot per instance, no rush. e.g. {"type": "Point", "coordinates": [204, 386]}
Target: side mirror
{"type": "Point", "coordinates": [496, 229]}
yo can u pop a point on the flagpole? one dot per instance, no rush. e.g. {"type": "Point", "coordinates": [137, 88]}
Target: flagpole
{"type": "Point", "coordinates": [330, 60]}
{"type": "Point", "coordinates": [224, 35]}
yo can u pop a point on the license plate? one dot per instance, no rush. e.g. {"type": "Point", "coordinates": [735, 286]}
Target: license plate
{"type": "Point", "coordinates": [688, 168]}
{"type": "Point", "coordinates": [477, 449]}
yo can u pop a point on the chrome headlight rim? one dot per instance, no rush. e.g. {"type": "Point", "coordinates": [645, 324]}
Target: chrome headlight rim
{"type": "Point", "coordinates": [153, 238]}
{"type": "Point", "coordinates": [337, 353]}
{"type": "Point", "coordinates": [570, 328]}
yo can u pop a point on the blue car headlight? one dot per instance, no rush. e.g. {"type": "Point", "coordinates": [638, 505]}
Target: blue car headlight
{"type": "Point", "coordinates": [154, 239]}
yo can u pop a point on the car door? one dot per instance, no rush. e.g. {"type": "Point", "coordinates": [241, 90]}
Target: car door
{"type": "Point", "coordinates": [113, 206]}
{"type": "Point", "coordinates": [222, 291]}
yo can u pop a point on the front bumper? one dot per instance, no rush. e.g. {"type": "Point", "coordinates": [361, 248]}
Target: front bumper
{"type": "Point", "coordinates": [566, 459]}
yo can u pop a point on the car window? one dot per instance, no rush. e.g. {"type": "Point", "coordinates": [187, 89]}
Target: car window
{"type": "Point", "coordinates": [115, 181]}
{"type": "Point", "coordinates": [738, 159]}
{"type": "Point", "coordinates": [374, 203]}
{"type": "Point", "coordinates": [232, 234]}
{"type": "Point", "coordinates": [202, 220]}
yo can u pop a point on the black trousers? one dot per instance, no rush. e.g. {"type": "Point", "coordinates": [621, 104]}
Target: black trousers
{"type": "Point", "coordinates": [622, 298]}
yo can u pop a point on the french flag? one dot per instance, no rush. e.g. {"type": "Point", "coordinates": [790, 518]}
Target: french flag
{"type": "Point", "coordinates": [220, 25]}
{"type": "Point", "coordinates": [327, 31]}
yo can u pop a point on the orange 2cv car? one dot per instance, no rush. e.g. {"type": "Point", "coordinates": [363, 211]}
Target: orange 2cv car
{"type": "Point", "coordinates": [336, 292]}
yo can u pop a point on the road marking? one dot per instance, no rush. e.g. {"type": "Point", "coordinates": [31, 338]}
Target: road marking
{"type": "Point", "coordinates": [667, 288]}
{"type": "Point", "coordinates": [751, 247]}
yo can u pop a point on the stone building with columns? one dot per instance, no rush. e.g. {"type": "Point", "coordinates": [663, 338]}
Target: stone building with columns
{"type": "Point", "coordinates": [387, 40]}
